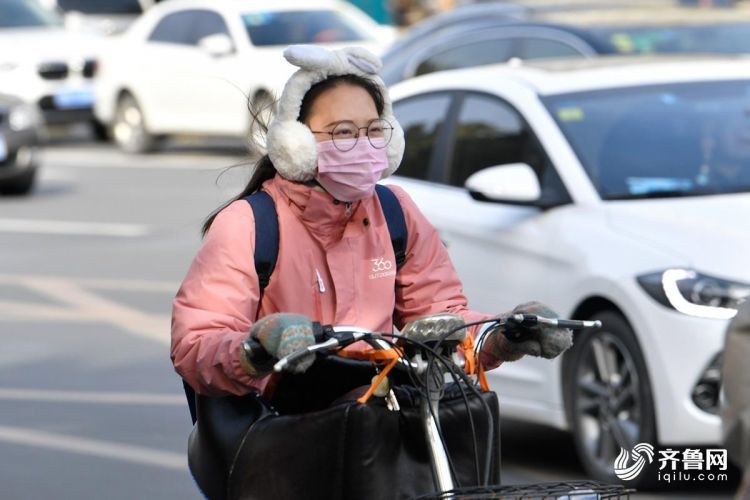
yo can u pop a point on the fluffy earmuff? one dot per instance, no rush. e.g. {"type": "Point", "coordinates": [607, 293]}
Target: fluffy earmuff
{"type": "Point", "coordinates": [291, 146]}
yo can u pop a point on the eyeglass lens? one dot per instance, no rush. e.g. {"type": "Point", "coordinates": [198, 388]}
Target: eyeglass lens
{"type": "Point", "coordinates": [378, 132]}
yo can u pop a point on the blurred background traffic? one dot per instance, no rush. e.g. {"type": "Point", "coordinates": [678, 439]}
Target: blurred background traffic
{"type": "Point", "coordinates": [591, 154]}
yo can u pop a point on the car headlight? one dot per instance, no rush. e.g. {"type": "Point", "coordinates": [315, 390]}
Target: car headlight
{"type": "Point", "coordinates": [23, 116]}
{"type": "Point", "coordinates": [695, 294]}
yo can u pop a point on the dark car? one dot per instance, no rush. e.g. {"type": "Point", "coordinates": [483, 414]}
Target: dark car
{"type": "Point", "coordinates": [21, 134]}
{"type": "Point", "coordinates": [484, 34]}
{"type": "Point", "coordinates": [480, 34]}
{"type": "Point", "coordinates": [708, 38]}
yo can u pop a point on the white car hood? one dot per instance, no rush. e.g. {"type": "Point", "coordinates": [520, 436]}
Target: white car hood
{"type": "Point", "coordinates": [35, 45]}
{"type": "Point", "coordinates": [711, 234]}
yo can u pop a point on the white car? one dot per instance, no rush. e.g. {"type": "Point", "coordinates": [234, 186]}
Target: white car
{"type": "Point", "coordinates": [105, 17]}
{"type": "Point", "coordinates": [191, 67]}
{"type": "Point", "coordinates": [616, 190]}
{"type": "Point", "coordinates": [43, 64]}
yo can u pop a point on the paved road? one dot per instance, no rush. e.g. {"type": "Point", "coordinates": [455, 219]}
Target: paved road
{"type": "Point", "coordinates": [89, 404]}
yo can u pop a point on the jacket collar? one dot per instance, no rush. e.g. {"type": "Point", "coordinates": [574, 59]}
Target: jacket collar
{"type": "Point", "coordinates": [325, 218]}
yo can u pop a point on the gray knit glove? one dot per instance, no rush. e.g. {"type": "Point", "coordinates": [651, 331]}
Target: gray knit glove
{"type": "Point", "coordinates": [282, 334]}
{"type": "Point", "coordinates": [539, 340]}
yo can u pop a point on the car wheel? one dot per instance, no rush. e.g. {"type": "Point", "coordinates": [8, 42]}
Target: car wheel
{"type": "Point", "coordinates": [99, 130]}
{"type": "Point", "coordinates": [19, 185]}
{"type": "Point", "coordinates": [129, 128]}
{"type": "Point", "coordinates": [262, 106]}
{"type": "Point", "coordinates": [608, 397]}
{"type": "Point", "coordinates": [261, 109]}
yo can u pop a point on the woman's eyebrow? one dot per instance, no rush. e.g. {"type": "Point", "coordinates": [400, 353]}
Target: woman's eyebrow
{"type": "Point", "coordinates": [350, 121]}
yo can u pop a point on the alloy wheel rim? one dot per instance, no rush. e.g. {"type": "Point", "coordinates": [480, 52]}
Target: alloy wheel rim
{"type": "Point", "coordinates": [128, 129]}
{"type": "Point", "coordinates": [608, 400]}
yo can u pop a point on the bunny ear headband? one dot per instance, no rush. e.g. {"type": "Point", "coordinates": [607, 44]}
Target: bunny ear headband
{"type": "Point", "coordinates": [291, 145]}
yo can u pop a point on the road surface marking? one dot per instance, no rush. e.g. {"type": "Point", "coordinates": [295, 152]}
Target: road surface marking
{"type": "Point", "coordinates": [96, 397]}
{"type": "Point", "coordinates": [98, 283]}
{"type": "Point", "coordinates": [208, 161]}
{"type": "Point", "coordinates": [75, 228]}
{"type": "Point", "coordinates": [11, 310]}
{"type": "Point", "coordinates": [94, 307]}
{"type": "Point", "coordinates": [93, 447]}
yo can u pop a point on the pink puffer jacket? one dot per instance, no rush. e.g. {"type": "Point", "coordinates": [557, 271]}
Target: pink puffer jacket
{"type": "Point", "coordinates": [335, 264]}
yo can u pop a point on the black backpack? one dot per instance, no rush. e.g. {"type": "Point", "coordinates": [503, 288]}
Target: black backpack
{"type": "Point", "coordinates": [267, 243]}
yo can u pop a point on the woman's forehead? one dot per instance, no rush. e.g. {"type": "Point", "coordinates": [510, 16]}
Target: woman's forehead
{"type": "Point", "coordinates": [343, 102]}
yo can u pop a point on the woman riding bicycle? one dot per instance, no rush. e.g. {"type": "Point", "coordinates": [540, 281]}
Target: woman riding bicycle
{"type": "Point", "coordinates": [334, 136]}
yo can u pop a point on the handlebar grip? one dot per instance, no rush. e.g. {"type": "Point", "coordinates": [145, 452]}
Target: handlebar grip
{"type": "Point", "coordinates": [321, 332]}
{"type": "Point", "coordinates": [256, 353]}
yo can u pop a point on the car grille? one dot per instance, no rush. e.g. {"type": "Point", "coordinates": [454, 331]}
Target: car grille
{"type": "Point", "coordinates": [53, 70]}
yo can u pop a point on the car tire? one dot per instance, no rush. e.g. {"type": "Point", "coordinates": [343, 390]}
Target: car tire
{"type": "Point", "coordinates": [129, 129]}
{"type": "Point", "coordinates": [99, 131]}
{"type": "Point", "coordinates": [19, 185]}
{"type": "Point", "coordinates": [608, 398]}
{"type": "Point", "coordinates": [262, 104]}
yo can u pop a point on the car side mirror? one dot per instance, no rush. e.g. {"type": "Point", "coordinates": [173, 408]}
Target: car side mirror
{"type": "Point", "coordinates": [217, 45]}
{"type": "Point", "coordinates": [512, 183]}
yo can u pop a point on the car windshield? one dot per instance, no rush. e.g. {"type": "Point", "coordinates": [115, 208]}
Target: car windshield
{"type": "Point", "coordinates": [660, 141]}
{"type": "Point", "coordinates": [292, 27]}
{"type": "Point", "coordinates": [729, 38]}
{"type": "Point", "coordinates": [101, 6]}
{"type": "Point", "coordinates": [26, 14]}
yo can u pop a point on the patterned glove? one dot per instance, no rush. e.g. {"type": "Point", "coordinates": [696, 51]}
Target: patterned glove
{"type": "Point", "coordinates": [281, 334]}
{"type": "Point", "coordinates": [537, 340]}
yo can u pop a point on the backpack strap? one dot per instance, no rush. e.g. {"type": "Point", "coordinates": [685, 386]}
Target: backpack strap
{"type": "Point", "coordinates": [266, 235]}
{"type": "Point", "coordinates": [266, 253]}
{"type": "Point", "coordinates": [394, 218]}
{"type": "Point", "coordinates": [267, 244]}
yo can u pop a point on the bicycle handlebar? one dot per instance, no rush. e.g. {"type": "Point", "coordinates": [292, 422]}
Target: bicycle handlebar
{"type": "Point", "coordinates": [533, 319]}
{"type": "Point", "coordinates": [329, 338]}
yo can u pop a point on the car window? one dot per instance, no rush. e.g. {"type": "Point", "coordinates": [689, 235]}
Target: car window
{"type": "Point", "coordinates": [293, 27]}
{"type": "Point", "coordinates": [675, 139]}
{"type": "Point", "coordinates": [721, 38]}
{"type": "Point", "coordinates": [422, 119]}
{"type": "Point", "coordinates": [173, 28]}
{"type": "Point", "coordinates": [207, 23]}
{"type": "Point", "coordinates": [490, 132]}
{"type": "Point", "coordinates": [538, 48]}
{"type": "Point", "coordinates": [101, 6]}
{"type": "Point", "coordinates": [23, 14]}
{"type": "Point", "coordinates": [464, 56]}
{"type": "Point", "coordinates": [188, 27]}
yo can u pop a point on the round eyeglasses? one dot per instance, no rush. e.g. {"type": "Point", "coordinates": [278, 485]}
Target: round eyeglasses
{"type": "Point", "coordinates": [378, 132]}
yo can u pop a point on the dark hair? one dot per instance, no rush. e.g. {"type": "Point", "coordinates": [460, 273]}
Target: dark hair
{"type": "Point", "coordinates": [264, 168]}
